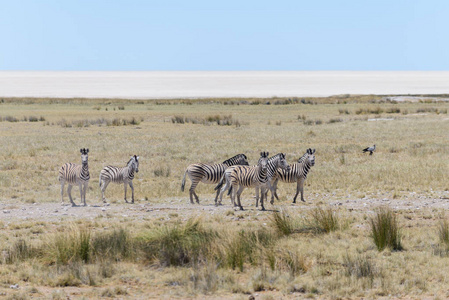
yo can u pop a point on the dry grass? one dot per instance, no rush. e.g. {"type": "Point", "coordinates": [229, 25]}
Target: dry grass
{"type": "Point", "coordinates": [228, 253]}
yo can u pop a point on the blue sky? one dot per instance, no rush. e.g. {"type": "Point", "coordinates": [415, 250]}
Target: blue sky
{"type": "Point", "coordinates": [224, 35]}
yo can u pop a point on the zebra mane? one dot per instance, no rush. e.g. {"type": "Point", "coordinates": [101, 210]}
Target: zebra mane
{"type": "Point", "coordinates": [274, 157]}
{"type": "Point", "coordinates": [232, 159]}
{"type": "Point", "coordinates": [131, 159]}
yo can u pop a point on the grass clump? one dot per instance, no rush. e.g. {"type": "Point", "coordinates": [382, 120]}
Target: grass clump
{"type": "Point", "coordinates": [242, 247]}
{"type": "Point", "coordinates": [178, 245]}
{"type": "Point", "coordinates": [360, 266]}
{"type": "Point", "coordinates": [324, 220]}
{"type": "Point", "coordinates": [282, 223]}
{"type": "Point", "coordinates": [385, 230]}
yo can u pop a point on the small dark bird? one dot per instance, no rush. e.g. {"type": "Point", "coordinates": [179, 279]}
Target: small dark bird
{"type": "Point", "coordinates": [370, 150]}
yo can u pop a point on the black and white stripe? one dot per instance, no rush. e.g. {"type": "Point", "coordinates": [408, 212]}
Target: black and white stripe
{"type": "Point", "coordinates": [275, 163]}
{"type": "Point", "coordinates": [297, 173]}
{"type": "Point", "coordinates": [119, 175]}
{"type": "Point", "coordinates": [246, 176]}
{"type": "Point", "coordinates": [209, 173]}
{"type": "Point", "coordinates": [75, 174]}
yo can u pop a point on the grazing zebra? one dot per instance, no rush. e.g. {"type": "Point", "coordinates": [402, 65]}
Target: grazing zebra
{"type": "Point", "coordinates": [209, 173]}
{"type": "Point", "coordinates": [75, 174]}
{"type": "Point", "coordinates": [123, 175]}
{"type": "Point", "coordinates": [297, 173]}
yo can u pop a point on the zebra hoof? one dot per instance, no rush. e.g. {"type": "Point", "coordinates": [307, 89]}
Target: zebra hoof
{"type": "Point", "coordinates": [263, 209]}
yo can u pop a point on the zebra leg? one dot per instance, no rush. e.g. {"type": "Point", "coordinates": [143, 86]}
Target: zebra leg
{"type": "Point", "coordinates": [62, 191]}
{"type": "Point", "coordinates": [271, 188]}
{"type": "Point", "coordinates": [126, 186]}
{"type": "Point", "coordinates": [239, 192]}
{"type": "Point", "coordinates": [132, 189]}
{"type": "Point", "coordinates": [301, 189]}
{"type": "Point", "coordinates": [297, 192]}
{"type": "Point", "coordinates": [192, 192]}
{"type": "Point", "coordinates": [69, 192]}
{"type": "Point", "coordinates": [263, 193]}
{"type": "Point", "coordinates": [85, 191]}
{"type": "Point", "coordinates": [257, 196]}
{"type": "Point", "coordinates": [275, 187]}
{"type": "Point", "coordinates": [216, 197]}
{"type": "Point", "coordinates": [226, 187]}
{"type": "Point", "coordinates": [103, 189]}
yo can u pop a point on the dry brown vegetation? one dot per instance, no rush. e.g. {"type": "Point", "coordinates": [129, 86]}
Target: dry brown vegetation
{"type": "Point", "coordinates": [163, 247]}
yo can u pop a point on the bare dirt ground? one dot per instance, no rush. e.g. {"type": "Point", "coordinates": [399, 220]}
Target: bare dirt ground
{"type": "Point", "coordinates": [11, 210]}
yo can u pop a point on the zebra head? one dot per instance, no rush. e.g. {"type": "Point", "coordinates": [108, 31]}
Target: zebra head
{"type": "Point", "coordinates": [84, 155]}
{"type": "Point", "coordinates": [283, 164]}
{"type": "Point", "coordinates": [243, 160]}
{"type": "Point", "coordinates": [134, 163]}
{"type": "Point", "coordinates": [311, 156]}
{"type": "Point", "coordinates": [263, 161]}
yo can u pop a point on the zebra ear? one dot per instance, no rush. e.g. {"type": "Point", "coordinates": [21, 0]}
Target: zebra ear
{"type": "Point", "coordinates": [87, 150]}
{"type": "Point", "coordinates": [313, 151]}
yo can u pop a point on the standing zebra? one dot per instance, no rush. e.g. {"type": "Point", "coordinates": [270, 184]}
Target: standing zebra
{"type": "Point", "coordinates": [123, 175]}
{"type": "Point", "coordinates": [75, 174]}
{"type": "Point", "coordinates": [209, 173]}
{"type": "Point", "coordinates": [298, 173]}
{"type": "Point", "coordinates": [245, 176]}
{"type": "Point", "coordinates": [274, 162]}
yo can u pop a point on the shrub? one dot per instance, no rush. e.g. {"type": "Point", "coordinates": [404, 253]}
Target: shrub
{"type": "Point", "coordinates": [385, 230]}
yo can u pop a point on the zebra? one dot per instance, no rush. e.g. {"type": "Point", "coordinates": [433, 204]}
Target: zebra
{"type": "Point", "coordinates": [246, 176]}
{"type": "Point", "coordinates": [123, 175]}
{"type": "Point", "coordinates": [75, 174]}
{"type": "Point", "coordinates": [274, 162]}
{"type": "Point", "coordinates": [298, 173]}
{"type": "Point", "coordinates": [209, 173]}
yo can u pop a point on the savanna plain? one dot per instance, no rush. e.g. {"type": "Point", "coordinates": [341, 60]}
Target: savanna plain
{"type": "Point", "coordinates": [371, 227]}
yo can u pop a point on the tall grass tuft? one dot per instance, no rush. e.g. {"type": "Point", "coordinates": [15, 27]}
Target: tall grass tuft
{"type": "Point", "coordinates": [179, 244]}
{"type": "Point", "coordinates": [359, 266]}
{"type": "Point", "coordinates": [282, 223]}
{"type": "Point", "coordinates": [244, 247]}
{"type": "Point", "coordinates": [324, 220]}
{"type": "Point", "coordinates": [68, 247]}
{"type": "Point", "coordinates": [115, 245]}
{"type": "Point", "coordinates": [443, 232]}
{"type": "Point", "coordinates": [21, 250]}
{"type": "Point", "coordinates": [385, 230]}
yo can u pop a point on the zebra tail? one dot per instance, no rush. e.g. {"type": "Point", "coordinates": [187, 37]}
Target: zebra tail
{"type": "Point", "coordinates": [183, 182]}
{"type": "Point", "coordinates": [230, 190]}
{"type": "Point", "coordinates": [220, 184]}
